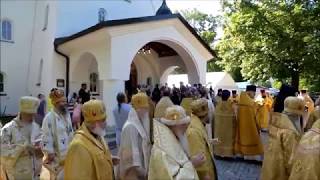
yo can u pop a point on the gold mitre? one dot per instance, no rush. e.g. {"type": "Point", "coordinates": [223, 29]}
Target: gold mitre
{"type": "Point", "coordinates": [199, 107]}
{"type": "Point", "coordinates": [94, 110]}
{"type": "Point", "coordinates": [161, 107]}
{"type": "Point", "coordinates": [28, 104]}
{"type": "Point", "coordinates": [175, 115]}
{"type": "Point", "coordinates": [140, 100]}
{"type": "Point", "coordinates": [294, 105]}
{"type": "Point", "coordinates": [56, 96]}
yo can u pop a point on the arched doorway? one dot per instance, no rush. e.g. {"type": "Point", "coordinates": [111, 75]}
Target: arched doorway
{"type": "Point", "coordinates": [154, 62]}
{"type": "Point", "coordinates": [132, 84]}
{"type": "Point", "coordinates": [85, 71]}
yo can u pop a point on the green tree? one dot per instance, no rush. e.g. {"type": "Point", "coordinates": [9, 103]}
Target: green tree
{"type": "Point", "coordinates": [279, 39]}
{"type": "Point", "coordinates": [205, 25]}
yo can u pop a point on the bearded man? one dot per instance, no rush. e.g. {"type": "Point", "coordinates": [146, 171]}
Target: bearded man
{"type": "Point", "coordinates": [170, 157]}
{"type": "Point", "coordinates": [88, 155]}
{"type": "Point", "coordinates": [135, 144]}
{"type": "Point", "coordinates": [284, 134]}
{"type": "Point", "coordinates": [198, 139]}
{"type": "Point", "coordinates": [248, 142]}
{"type": "Point", "coordinates": [225, 121]}
{"type": "Point", "coordinates": [57, 134]}
{"type": "Point", "coordinates": [20, 143]}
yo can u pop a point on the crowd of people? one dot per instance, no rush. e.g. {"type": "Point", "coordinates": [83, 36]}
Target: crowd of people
{"type": "Point", "coordinates": [164, 133]}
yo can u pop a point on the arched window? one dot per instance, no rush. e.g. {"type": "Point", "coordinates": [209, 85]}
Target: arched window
{"type": "Point", "coordinates": [46, 18]}
{"type": "Point", "coordinates": [1, 82]}
{"type": "Point", "coordinates": [94, 82]}
{"type": "Point", "coordinates": [6, 30]}
{"type": "Point", "coordinates": [40, 73]}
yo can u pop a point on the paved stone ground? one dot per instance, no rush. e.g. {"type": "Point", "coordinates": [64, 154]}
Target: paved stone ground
{"type": "Point", "coordinates": [237, 170]}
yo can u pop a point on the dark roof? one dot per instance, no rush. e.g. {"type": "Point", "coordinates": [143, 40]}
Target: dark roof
{"type": "Point", "coordinates": [62, 40]}
{"type": "Point", "coordinates": [164, 9]}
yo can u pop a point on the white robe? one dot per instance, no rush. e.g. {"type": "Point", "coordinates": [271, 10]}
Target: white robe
{"type": "Point", "coordinates": [168, 159]}
{"type": "Point", "coordinates": [135, 145]}
{"type": "Point", "coordinates": [57, 134]}
{"type": "Point", "coordinates": [16, 161]}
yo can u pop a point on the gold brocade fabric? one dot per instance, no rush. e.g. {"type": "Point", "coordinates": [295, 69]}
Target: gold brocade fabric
{"type": "Point", "coordinates": [248, 140]}
{"type": "Point", "coordinates": [88, 158]}
{"type": "Point", "coordinates": [306, 159]}
{"type": "Point", "coordinates": [168, 160]}
{"type": "Point", "coordinates": [161, 107]}
{"type": "Point", "coordinates": [283, 139]}
{"type": "Point", "coordinates": [186, 104]}
{"type": "Point", "coordinates": [225, 127]}
{"type": "Point", "coordinates": [315, 115]}
{"type": "Point", "coordinates": [199, 143]}
{"type": "Point", "coordinates": [265, 105]}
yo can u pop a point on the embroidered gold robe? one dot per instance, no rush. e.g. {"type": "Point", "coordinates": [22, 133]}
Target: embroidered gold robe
{"type": "Point", "coordinates": [283, 139]}
{"type": "Point", "coordinates": [168, 160]}
{"type": "Point", "coordinates": [310, 105]}
{"type": "Point", "coordinates": [161, 107]}
{"type": "Point", "coordinates": [248, 140]}
{"type": "Point", "coordinates": [263, 114]}
{"type": "Point", "coordinates": [199, 143]}
{"type": "Point", "coordinates": [225, 128]}
{"type": "Point", "coordinates": [186, 104]}
{"type": "Point", "coordinates": [306, 159]}
{"type": "Point", "coordinates": [57, 134]}
{"type": "Point", "coordinates": [315, 115]}
{"type": "Point", "coordinates": [88, 158]}
{"type": "Point", "coordinates": [16, 161]}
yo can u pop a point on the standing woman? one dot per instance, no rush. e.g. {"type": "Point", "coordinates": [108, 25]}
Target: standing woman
{"type": "Point", "coordinates": [121, 114]}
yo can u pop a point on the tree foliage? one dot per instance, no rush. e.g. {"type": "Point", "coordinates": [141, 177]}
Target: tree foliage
{"type": "Point", "coordinates": [205, 25]}
{"type": "Point", "coordinates": [279, 39]}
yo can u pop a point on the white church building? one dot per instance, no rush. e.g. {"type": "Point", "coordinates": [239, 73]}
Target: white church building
{"type": "Point", "coordinates": [111, 45]}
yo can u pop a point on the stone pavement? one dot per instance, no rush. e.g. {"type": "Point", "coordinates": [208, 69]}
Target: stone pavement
{"type": "Point", "coordinates": [237, 170]}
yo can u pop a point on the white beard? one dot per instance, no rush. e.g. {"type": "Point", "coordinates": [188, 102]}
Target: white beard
{"type": "Point", "coordinates": [184, 143]}
{"type": "Point", "coordinates": [99, 131]}
{"type": "Point", "coordinates": [146, 123]}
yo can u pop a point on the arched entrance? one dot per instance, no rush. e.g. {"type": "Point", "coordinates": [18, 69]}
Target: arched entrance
{"type": "Point", "coordinates": [132, 83]}
{"type": "Point", "coordinates": [155, 61]}
{"type": "Point", "coordinates": [86, 71]}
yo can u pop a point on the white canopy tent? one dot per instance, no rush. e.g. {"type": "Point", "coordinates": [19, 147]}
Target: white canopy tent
{"type": "Point", "coordinates": [220, 80]}
{"type": "Point", "coordinates": [217, 80]}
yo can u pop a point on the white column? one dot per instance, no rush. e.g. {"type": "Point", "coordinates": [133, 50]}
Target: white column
{"type": "Point", "coordinates": [109, 95]}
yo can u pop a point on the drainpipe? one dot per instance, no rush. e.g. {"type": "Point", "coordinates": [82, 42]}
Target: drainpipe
{"type": "Point", "coordinates": [67, 67]}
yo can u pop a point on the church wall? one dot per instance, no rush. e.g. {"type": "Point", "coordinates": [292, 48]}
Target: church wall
{"type": "Point", "coordinates": [146, 68]}
{"type": "Point", "coordinates": [41, 80]}
{"type": "Point", "coordinates": [15, 55]}
{"type": "Point", "coordinates": [76, 15]}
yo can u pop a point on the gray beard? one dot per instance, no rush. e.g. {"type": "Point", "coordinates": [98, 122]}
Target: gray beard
{"type": "Point", "coordinates": [295, 119]}
{"type": "Point", "coordinates": [184, 143]}
{"type": "Point", "coordinates": [146, 124]}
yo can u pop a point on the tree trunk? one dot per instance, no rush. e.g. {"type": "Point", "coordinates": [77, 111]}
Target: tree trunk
{"type": "Point", "coordinates": [295, 78]}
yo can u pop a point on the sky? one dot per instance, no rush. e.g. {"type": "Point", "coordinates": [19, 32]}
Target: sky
{"type": "Point", "coordinates": [207, 6]}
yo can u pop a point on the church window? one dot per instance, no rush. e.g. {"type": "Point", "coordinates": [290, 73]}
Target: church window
{"type": "Point", "coordinates": [1, 82]}
{"type": "Point", "coordinates": [93, 82]}
{"type": "Point", "coordinates": [46, 17]}
{"type": "Point", "coordinates": [6, 30]}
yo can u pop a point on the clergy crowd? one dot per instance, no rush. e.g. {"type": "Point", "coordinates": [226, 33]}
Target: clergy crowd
{"type": "Point", "coordinates": [167, 133]}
